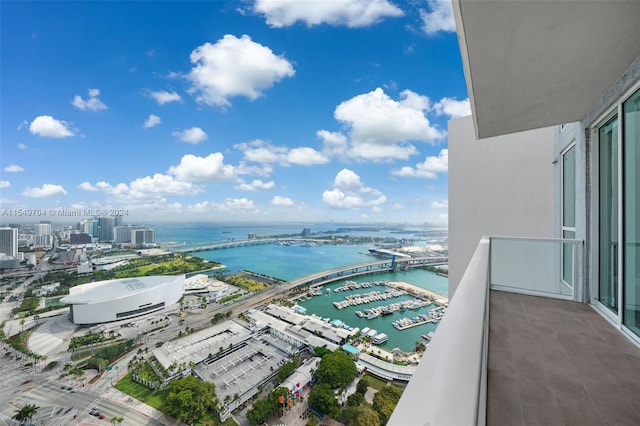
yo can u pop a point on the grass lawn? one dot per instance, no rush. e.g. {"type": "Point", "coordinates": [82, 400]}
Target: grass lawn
{"type": "Point", "coordinates": [142, 393]}
{"type": "Point", "coordinates": [375, 382]}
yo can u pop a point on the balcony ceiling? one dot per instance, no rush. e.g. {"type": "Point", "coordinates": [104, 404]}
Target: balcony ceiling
{"type": "Point", "coordinates": [535, 63]}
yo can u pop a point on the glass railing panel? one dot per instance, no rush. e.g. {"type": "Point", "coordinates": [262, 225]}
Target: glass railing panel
{"type": "Point", "coordinates": [547, 267]}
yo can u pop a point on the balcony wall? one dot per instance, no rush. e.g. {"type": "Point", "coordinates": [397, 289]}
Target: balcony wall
{"type": "Point", "coordinates": [525, 352]}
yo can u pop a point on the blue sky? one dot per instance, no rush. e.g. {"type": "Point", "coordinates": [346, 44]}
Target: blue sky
{"type": "Point", "coordinates": [230, 111]}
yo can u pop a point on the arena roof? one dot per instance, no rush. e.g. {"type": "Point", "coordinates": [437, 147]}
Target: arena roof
{"type": "Point", "coordinates": [100, 291]}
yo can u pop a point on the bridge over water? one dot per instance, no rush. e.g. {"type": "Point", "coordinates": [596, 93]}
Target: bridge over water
{"type": "Point", "coordinates": [241, 243]}
{"type": "Point", "coordinates": [366, 268]}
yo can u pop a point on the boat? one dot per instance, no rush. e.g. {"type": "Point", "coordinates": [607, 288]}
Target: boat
{"type": "Point", "coordinates": [425, 337]}
{"type": "Point", "coordinates": [365, 331]}
{"type": "Point", "coordinates": [380, 338]}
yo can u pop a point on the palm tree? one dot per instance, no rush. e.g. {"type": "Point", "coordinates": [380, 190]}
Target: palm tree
{"type": "Point", "coordinates": [26, 413]}
{"type": "Point", "coordinates": [116, 420]}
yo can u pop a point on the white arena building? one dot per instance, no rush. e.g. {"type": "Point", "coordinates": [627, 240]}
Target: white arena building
{"type": "Point", "coordinates": [115, 300]}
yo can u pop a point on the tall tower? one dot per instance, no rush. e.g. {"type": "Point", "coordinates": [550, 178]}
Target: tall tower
{"type": "Point", "coordinates": [9, 241]}
{"type": "Point", "coordinates": [106, 225]}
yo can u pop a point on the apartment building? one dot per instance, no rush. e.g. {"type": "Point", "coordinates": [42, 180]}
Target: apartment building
{"type": "Point", "coordinates": [543, 325]}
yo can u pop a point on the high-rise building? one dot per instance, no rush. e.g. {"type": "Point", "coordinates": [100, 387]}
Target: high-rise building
{"type": "Point", "coordinates": [79, 238]}
{"type": "Point", "coordinates": [121, 234]}
{"type": "Point", "coordinates": [105, 229]}
{"type": "Point", "coordinates": [42, 228]}
{"type": "Point", "coordinates": [42, 240]}
{"type": "Point", "coordinates": [149, 236]}
{"type": "Point", "coordinates": [9, 241]}
{"type": "Point", "coordinates": [543, 324]}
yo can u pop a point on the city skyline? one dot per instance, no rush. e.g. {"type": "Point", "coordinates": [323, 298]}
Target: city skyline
{"type": "Point", "coordinates": [255, 111]}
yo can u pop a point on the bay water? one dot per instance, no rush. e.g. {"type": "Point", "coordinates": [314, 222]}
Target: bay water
{"type": "Point", "coordinates": [299, 260]}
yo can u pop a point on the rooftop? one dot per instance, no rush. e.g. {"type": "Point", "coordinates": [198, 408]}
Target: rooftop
{"type": "Point", "coordinates": [112, 289]}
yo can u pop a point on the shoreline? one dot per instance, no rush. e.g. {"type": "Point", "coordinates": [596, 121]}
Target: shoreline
{"type": "Point", "coordinates": [415, 289]}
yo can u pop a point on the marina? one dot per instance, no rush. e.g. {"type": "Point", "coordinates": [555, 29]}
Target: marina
{"type": "Point", "coordinates": [371, 313]}
{"type": "Point", "coordinates": [374, 296]}
{"type": "Point", "coordinates": [433, 316]}
{"type": "Point", "coordinates": [379, 315]}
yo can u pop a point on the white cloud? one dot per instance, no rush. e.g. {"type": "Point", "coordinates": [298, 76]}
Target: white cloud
{"type": "Point", "coordinates": [47, 126]}
{"type": "Point", "coordinates": [281, 201]}
{"type": "Point", "coordinates": [428, 169]}
{"type": "Point", "coordinates": [438, 18]}
{"type": "Point", "coordinates": [440, 204]}
{"type": "Point", "coordinates": [193, 135]}
{"type": "Point", "coordinates": [333, 143]}
{"type": "Point", "coordinates": [350, 13]}
{"type": "Point", "coordinates": [152, 121]}
{"type": "Point", "coordinates": [238, 205]}
{"type": "Point", "coordinates": [5, 184]}
{"type": "Point", "coordinates": [306, 156]}
{"type": "Point", "coordinates": [46, 190]}
{"type": "Point", "coordinates": [200, 169]}
{"type": "Point", "coordinates": [397, 206]}
{"type": "Point", "coordinates": [381, 128]}
{"type": "Point", "coordinates": [234, 67]}
{"type": "Point", "coordinates": [146, 189]}
{"type": "Point", "coordinates": [160, 184]}
{"type": "Point", "coordinates": [13, 168]}
{"type": "Point", "coordinates": [452, 107]}
{"type": "Point", "coordinates": [348, 192]}
{"type": "Point", "coordinates": [22, 146]}
{"type": "Point", "coordinates": [86, 186]}
{"type": "Point", "coordinates": [92, 104]}
{"type": "Point", "coordinates": [255, 185]}
{"type": "Point", "coordinates": [163, 97]}
{"type": "Point", "coordinates": [259, 151]}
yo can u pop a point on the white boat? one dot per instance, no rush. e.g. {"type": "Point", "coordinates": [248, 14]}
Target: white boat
{"type": "Point", "coordinates": [380, 338]}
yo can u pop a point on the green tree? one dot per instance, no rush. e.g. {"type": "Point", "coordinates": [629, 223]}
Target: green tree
{"type": "Point", "coordinates": [25, 414]}
{"type": "Point", "coordinates": [385, 402]}
{"type": "Point", "coordinates": [336, 369]}
{"type": "Point", "coordinates": [320, 351]}
{"type": "Point", "coordinates": [260, 412]}
{"type": "Point", "coordinates": [324, 400]}
{"type": "Point", "coordinates": [188, 399]}
{"type": "Point", "coordinates": [363, 386]}
{"type": "Point", "coordinates": [365, 416]}
{"type": "Point", "coordinates": [355, 400]}
{"type": "Point", "coordinates": [117, 420]}
{"type": "Point", "coordinates": [286, 370]}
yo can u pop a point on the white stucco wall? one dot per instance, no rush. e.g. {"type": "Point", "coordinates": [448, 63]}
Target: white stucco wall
{"type": "Point", "coordinates": [497, 186]}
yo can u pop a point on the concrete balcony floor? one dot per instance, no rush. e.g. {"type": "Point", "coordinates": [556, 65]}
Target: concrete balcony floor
{"type": "Point", "coordinates": [554, 362]}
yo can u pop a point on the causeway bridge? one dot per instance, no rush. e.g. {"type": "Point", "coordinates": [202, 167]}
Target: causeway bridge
{"type": "Point", "coordinates": [241, 243]}
{"type": "Point", "coordinates": [366, 268]}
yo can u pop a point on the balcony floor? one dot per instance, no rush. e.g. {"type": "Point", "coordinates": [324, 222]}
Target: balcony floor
{"type": "Point", "coordinates": [554, 362]}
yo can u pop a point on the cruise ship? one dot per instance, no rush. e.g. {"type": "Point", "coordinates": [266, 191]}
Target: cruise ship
{"type": "Point", "coordinates": [380, 338]}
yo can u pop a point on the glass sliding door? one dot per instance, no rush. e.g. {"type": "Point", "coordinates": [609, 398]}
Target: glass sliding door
{"type": "Point", "coordinates": [631, 207]}
{"type": "Point", "coordinates": [568, 212]}
{"type": "Point", "coordinates": [608, 210]}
